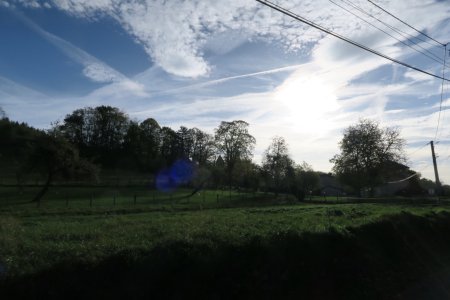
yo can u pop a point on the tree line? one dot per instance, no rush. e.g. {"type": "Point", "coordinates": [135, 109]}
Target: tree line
{"type": "Point", "coordinates": [94, 141]}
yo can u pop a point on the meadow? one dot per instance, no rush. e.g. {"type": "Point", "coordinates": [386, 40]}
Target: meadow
{"type": "Point", "coordinates": [234, 242]}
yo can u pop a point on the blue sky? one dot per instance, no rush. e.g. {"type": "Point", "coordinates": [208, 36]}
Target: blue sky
{"type": "Point", "coordinates": [196, 63]}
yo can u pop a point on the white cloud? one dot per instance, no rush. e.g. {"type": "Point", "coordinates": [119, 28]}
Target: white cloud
{"type": "Point", "coordinates": [94, 69]}
{"type": "Point", "coordinates": [100, 73]}
{"type": "Point", "coordinates": [177, 34]}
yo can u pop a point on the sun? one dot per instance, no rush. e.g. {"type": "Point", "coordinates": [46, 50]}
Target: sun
{"type": "Point", "coordinates": [307, 102]}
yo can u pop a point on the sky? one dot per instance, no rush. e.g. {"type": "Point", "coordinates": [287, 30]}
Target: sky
{"type": "Point", "coordinates": [199, 62]}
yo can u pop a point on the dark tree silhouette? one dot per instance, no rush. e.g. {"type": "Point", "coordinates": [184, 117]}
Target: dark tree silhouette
{"type": "Point", "coordinates": [98, 132]}
{"type": "Point", "coordinates": [53, 156]}
{"type": "Point", "coordinates": [276, 163]}
{"type": "Point", "coordinates": [235, 143]}
{"type": "Point", "coordinates": [366, 149]}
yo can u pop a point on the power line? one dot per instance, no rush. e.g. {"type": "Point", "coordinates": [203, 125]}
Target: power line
{"type": "Point", "coordinates": [418, 173]}
{"type": "Point", "coordinates": [404, 179]}
{"type": "Point", "coordinates": [418, 149]}
{"type": "Point", "coordinates": [398, 31]}
{"type": "Point", "coordinates": [380, 29]}
{"type": "Point", "coordinates": [442, 93]}
{"type": "Point", "coordinates": [392, 27]}
{"type": "Point", "coordinates": [446, 90]}
{"type": "Point", "coordinates": [321, 28]}
{"type": "Point", "coordinates": [410, 26]}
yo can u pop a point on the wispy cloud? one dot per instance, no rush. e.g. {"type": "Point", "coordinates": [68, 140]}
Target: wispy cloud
{"type": "Point", "coordinates": [338, 85]}
{"type": "Point", "coordinates": [226, 79]}
{"type": "Point", "coordinates": [94, 69]}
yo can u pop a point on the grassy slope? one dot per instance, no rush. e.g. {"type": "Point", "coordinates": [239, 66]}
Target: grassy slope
{"type": "Point", "coordinates": [247, 249]}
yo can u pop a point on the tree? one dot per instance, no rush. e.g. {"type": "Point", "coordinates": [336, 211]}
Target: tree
{"type": "Point", "coordinates": [97, 132]}
{"type": "Point", "coordinates": [234, 142]}
{"type": "Point", "coordinates": [185, 142]}
{"type": "Point", "coordinates": [110, 126]}
{"type": "Point", "coordinates": [169, 145]}
{"type": "Point", "coordinates": [276, 164]}
{"type": "Point", "coordinates": [16, 143]}
{"type": "Point", "coordinates": [54, 156]}
{"type": "Point", "coordinates": [202, 147]}
{"type": "Point", "coordinates": [366, 152]}
{"type": "Point", "coordinates": [150, 143]}
{"type": "Point", "coordinates": [306, 180]}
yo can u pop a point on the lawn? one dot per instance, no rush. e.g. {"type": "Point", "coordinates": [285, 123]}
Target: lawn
{"type": "Point", "coordinates": [42, 239]}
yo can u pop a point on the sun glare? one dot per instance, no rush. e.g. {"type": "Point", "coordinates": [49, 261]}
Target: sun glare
{"type": "Point", "coordinates": [308, 102]}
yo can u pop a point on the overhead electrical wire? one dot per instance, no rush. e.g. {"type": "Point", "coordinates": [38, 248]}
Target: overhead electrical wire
{"type": "Point", "coordinates": [418, 173]}
{"type": "Point", "coordinates": [341, 37]}
{"type": "Point", "coordinates": [444, 60]}
{"type": "Point", "coordinates": [418, 149]}
{"type": "Point", "coordinates": [415, 173]}
{"type": "Point", "coordinates": [406, 35]}
{"type": "Point", "coordinates": [393, 28]}
{"type": "Point", "coordinates": [348, 40]}
{"type": "Point", "coordinates": [442, 93]}
{"type": "Point", "coordinates": [404, 179]}
{"type": "Point", "coordinates": [405, 23]}
{"type": "Point", "coordinates": [443, 112]}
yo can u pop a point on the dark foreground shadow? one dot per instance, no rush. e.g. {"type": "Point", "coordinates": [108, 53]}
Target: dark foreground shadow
{"type": "Point", "coordinates": [403, 257]}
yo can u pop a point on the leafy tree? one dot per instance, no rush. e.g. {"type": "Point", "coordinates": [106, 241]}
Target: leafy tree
{"type": "Point", "coordinates": [133, 145]}
{"type": "Point", "coordinates": [276, 164]}
{"type": "Point", "coordinates": [185, 142]}
{"type": "Point", "coordinates": [366, 151]}
{"type": "Point", "coordinates": [247, 174]}
{"type": "Point", "coordinates": [150, 144]}
{"type": "Point", "coordinates": [169, 145]}
{"type": "Point", "coordinates": [98, 132]}
{"type": "Point", "coordinates": [234, 142]}
{"type": "Point", "coordinates": [53, 156]}
{"type": "Point", "coordinates": [306, 179]}
{"type": "Point", "coordinates": [77, 127]}
{"type": "Point", "coordinates": [16, 142]}
{"type": "Point", "coordinates": [202, 146]}
{"type": "Point", "coordinates": [110, 126]}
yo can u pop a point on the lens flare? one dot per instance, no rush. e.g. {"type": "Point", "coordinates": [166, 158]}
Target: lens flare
{"type": "Point", "coordinates": [181, 172]}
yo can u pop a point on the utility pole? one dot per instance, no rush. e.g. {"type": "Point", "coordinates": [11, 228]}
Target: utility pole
{"type": "Point", "coordinates": [436, 174]}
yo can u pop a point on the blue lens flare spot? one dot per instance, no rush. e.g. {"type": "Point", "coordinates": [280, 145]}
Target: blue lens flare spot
{"type": "Point", "coordinates": [181, 172]}
{"type": "Point", "coordinates": [164, 182]}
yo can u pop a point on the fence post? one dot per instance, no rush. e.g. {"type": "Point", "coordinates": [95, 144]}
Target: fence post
{"type": "Point", "coordinates": [217, 198]}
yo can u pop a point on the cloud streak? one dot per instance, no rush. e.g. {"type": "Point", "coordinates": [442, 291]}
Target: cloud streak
{"type": "Point", "coordinates": [336, 86]}
{"type": "Point", "coordinates": [94, 69]}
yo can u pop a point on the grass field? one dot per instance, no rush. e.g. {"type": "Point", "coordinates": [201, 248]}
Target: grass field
{"type": "Point", "coordinates": [60, 238]}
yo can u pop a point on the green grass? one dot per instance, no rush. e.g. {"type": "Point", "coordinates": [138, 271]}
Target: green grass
{"type": "Point", "coordinates": [240, 239]}
{"type": "Point", "coordinates": [33, 239]}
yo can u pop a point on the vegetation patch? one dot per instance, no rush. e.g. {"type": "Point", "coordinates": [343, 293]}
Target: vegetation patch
{"type": "Point", "coordinates": [387, 252]}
